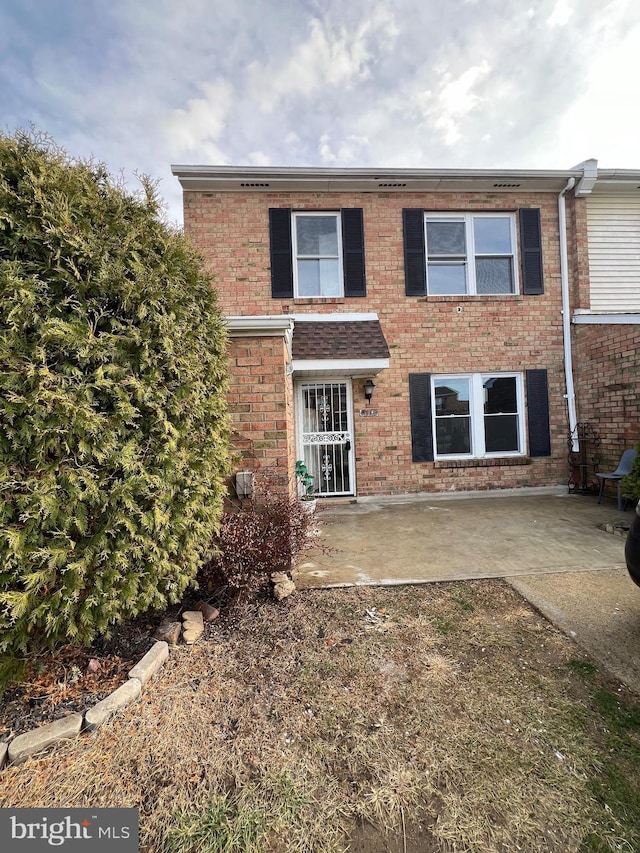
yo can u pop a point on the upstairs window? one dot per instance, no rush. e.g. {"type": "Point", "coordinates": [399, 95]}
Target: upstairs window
{"type": "Point", "coordinates": [317, 255]}
{"type": "Point", "coordinates": [317, 248]}
{"type": "Point", "coordinates": [470, 254]}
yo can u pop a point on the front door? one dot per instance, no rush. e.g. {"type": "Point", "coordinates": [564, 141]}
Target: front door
{"type": "Point", "coordinates": [325, 428]}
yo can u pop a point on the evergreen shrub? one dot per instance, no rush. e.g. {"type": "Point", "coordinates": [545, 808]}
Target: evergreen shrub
{"type": "Point", "coordinates": [113, 426]}
{"type": "Point", "coordinates": [631, 483]}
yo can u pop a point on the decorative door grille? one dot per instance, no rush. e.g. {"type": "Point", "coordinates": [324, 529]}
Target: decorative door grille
{"type": "Point", "coordinates": [324, 411]}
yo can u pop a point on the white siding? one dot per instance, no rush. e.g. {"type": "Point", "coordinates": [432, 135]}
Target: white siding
{"type": "Point", "coordinates": [613, 224]}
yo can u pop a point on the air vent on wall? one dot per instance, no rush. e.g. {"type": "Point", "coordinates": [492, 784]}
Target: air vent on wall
{"type": "Point", "coordinates": [255, 185]}
{"type": "Point", "coordinates": [391, 186]}
{"type": "Point", "coordinates": [507, 186]}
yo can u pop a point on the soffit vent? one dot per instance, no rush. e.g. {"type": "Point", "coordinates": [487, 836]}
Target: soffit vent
{"type": "Point", "coordinates": [255, 185]}
{"type": "Point", "coordinates": [507, 186]}
{"type": "Point", "coordinates": [391, 186]}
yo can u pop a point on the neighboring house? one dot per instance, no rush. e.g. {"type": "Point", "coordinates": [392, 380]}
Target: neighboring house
{"type": "Point", "coordinates": [401, 331]}
{"type": "Point", "coordinates": [606, 319]}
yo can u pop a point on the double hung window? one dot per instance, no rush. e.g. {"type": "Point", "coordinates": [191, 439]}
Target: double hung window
{"type": "Point", "coordinates": [317, 250]}
{"type": "Point", "coordinates": [469, 254]}
{"type": "Point", "coordinates": [477, 414]}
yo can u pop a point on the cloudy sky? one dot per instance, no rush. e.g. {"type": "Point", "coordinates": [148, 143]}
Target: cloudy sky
{"type": "Point", "coordinates": [141, 84]}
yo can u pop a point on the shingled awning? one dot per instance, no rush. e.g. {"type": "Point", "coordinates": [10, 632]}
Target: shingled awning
{"type": "Point", "coordinates": [353, 346]}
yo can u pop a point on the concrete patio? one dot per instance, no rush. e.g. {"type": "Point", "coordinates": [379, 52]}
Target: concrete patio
{"type": "Point", "coordinates": [443, 538]}
{"type": "Point", "coordinates": [549, 546]}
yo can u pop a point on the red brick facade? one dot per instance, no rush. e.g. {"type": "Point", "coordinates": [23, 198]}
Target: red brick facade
{"type": "Point", "coordinates": [447, 334]}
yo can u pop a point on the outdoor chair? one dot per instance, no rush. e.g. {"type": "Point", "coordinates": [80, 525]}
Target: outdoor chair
{"type": "Point", "coordinates": [624, 467]}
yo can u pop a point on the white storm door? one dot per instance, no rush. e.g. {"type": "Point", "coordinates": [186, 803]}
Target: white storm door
{"type": "Point", "coordinates": [325, 425]}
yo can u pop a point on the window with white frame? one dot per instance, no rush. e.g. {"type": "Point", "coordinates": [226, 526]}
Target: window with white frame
{"type": "Point", "coordinates": [317, 250]}
{"type": "Point", "coordinates": [470, 254]}
{"type": "Point", "coordinates": [478, 414]}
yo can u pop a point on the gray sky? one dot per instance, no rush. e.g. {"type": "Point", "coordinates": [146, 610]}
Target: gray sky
{"type": "Point", "coordinates": [141, 84]}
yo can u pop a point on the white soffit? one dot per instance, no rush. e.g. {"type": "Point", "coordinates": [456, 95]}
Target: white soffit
{"type": "Point", "coordinates": [357, 367]}
{"type": "Point", "coordinates": [195, 178]}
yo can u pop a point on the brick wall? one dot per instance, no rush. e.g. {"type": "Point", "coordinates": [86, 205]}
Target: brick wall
{"type": "Point", "coordinates": [607, 376]}
{"type": "Point", "coordinates": [435, 334]}
{"type": "Point", "coordinates": [260, 405]}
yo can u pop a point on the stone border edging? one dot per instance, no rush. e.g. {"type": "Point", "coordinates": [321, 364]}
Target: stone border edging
{"type": "Point", "coordinates": [18, 749]}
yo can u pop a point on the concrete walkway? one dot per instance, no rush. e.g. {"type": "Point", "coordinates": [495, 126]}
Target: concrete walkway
{"type": "Point", "coordinates": [549, 547]}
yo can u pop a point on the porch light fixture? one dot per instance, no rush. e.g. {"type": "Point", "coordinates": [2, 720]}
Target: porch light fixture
{"type": "Point", "coordinates": [369, 385]}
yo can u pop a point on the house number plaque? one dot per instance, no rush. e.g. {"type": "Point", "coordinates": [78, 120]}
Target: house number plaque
{"type": "Point", "coordinates": [368, 413]}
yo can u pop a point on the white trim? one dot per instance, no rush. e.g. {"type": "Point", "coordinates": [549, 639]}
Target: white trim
{"type": "Point", "coordinates": [333, 318]}
{"type": "Point", "coordinates": [256, 325]}
{"type": "Point", "coordinates": [345, 366]}
{"type": "Point", "coordinates": [259, 179]}
{"type": "Point", "coordinates": [476, 414]}
{"type": "Point", "coordinates": [338, 257]}
{"type": "Point", "coordinates": [470, 254]}
{"type": "Point", "coordinates": [585, 317]}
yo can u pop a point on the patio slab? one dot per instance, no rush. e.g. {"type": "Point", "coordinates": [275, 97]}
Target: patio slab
{"type": "Point", "coordinates": [420, 539]}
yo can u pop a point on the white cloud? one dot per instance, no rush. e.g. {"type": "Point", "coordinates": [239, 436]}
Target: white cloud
{"type": "Point", "coordinates": [560, 15]}
{"type": "Point", "coordinates": [330, 56]}
{"type": "Point", "coordinates": [603, 121]}
{"type": "Point", "coordinates": [196, 129]}
{"type": "Point", "coordinates": [347, 152]}
{"type": "Point", "coordinates": [259, 158]}
{"type": "Point", "coordinates": [456, 98]}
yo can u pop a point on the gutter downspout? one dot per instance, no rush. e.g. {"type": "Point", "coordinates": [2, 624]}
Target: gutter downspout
{"type": "Point", "coordinates": [570, 395]}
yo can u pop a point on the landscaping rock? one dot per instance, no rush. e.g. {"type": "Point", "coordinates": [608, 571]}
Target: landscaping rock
{"type": "Point", "coordinates": [193, 626]}
{"type": "Point", "coordinates": [120, 698]}
{"type": "Point", "coordinates": [209, 613]}
{"type": "Point", "coordinates": [150, 663]}
{"type": "Point", "coordinates": [283, 585]}
{"type": "Point", "coordinates": [168, 632]}
{"type": "Point", "coordinates": [3, 754]}
{"type": "Point", "coordinates": [39, 739]}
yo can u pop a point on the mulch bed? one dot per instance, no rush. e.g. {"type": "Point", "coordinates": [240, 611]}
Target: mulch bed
{"type": "Point", "coordinates": [72, 679]}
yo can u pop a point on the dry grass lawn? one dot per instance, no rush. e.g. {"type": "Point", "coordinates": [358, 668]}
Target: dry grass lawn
{"type": "Point", "coordinates": [447, 717]}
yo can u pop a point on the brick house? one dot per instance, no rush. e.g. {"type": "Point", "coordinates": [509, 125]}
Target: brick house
{"type": "Point", "coordinates": [400, 331]}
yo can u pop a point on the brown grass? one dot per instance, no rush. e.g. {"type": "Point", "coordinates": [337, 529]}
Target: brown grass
{"type": "Point", "coordinates": [450, 716]}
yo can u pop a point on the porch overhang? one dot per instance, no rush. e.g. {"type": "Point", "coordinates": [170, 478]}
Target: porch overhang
{"type": "Point", "coordinates": [349, 368]}
{"type": "Point", "coordinates": [348, 345]}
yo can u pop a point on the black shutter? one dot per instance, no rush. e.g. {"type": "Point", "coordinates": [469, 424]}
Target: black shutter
{"type": "Point", "coordinates": [420, 408]}
{"type": "Point", "coordinates": [415, 264]}
{"type": "Point", "coordinates": [353, 252]}
{"type": "Point", "coordinates": [538, 413]}
{"type": "Point", "coordinates": [531, 246]}
{"type": "Point", "coordinates": [281, 260]}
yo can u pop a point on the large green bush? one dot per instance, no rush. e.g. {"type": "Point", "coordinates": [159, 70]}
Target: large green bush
{"type": "Point", "coordinates": [113, 428]}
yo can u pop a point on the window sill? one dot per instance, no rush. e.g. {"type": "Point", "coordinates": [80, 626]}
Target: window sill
{"type": "Point", "coordinates": [479, 297]}
{"type": "Point", "coordinates": [319, 300]}
{"type": "Point", "coordinates": [492, 462]}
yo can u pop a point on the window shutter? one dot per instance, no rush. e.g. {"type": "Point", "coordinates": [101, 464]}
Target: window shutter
{"type": "Point", "coordinates": [531, 246]}
{"type": "Point", "coordinates": [353, 252]}
{"type": "Point", "coordinates": [281, 259]}
{"type": "Point", "coordinates": [415, 268]}
{"type": "Point", "coordinates": [421, 425]}
{"type": "Point", "coordinates": [538, 413]}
